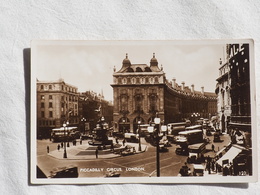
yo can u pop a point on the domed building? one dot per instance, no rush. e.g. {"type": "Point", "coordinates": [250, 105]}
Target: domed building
{"type": "Point", "coordinates": [142, 92]}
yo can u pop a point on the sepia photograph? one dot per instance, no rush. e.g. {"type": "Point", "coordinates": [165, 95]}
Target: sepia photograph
{"type": "Point", "coordinates": [143, 112]}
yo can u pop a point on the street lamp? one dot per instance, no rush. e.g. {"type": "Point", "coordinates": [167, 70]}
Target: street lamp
{"type": "Point", "coordinates": [65, 153]}
{"type": "Point", "coordinates": [67, 125]}
{"type": "Point", "coordinates": [139, 149]}
{"type": "Point", "coordinates": [124, 126]}
{"type": "Point", "coordinates": [83, 120]}
{"type": "Point", "coordinates": [151, 130]}
{"type": "Point", "coordinates": [164, 129]}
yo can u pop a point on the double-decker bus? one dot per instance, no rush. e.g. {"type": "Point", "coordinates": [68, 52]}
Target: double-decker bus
{"type": "Point", "coordinates": [189, 137]}
{"type": "Point", "coordinates": [64, 134]}
{"type": "Point", "coordinates": [144, 130]}
{"type": "Point", "coordinates": [173, 129]}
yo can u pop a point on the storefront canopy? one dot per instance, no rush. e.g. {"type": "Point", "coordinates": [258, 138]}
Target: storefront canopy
{"type": "Point", "coordinates": [230, 155]}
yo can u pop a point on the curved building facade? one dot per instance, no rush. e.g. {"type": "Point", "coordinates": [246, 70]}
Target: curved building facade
{"type": "Point", "coordinates": [142, 92]}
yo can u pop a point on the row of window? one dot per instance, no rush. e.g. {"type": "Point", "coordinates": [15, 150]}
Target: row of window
{"type": "Point", "coordinates": [70, 89]}
{"type": "Point", "coordinates": [50, 105]}
{"type": "Point", "coordinates": [136, 80]}
{"type": "Point", "coordinates": [47, 123]}
{"type": "Point", "coordinates": [51, 114]}
{"type": "Point", "coordinates": [70, 98]}
{"type": "Point", "coordinates": [43, 114]}
{"type": "Point", "coordinates": [50, 87]}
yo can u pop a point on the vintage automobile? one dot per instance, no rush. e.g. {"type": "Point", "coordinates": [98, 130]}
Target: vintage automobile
{"type": "Point", "coordinates": [217, 137]}
{"type": "Point", "coordinates": [128, 150]}
{"type": "Point", "coordinates": [182, 150]}
{"type": "Point", "coordinates": [162, 148]}
{"type": "Point", "coordinates": [164, 141]}
{"type": "Point", "coordinates": [65, 172]}
{"type": "Point", "coordinates": [131, 137]}
{"type": "Point", "coordinates": [198, 170]}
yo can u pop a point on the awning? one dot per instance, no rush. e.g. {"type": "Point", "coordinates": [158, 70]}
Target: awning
{"type": "Point", "coordinates": [230, 155]}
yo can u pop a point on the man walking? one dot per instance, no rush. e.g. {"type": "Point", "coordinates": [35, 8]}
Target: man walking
{"type": "Point", "coordinates": [96, 153]}
{"type": "Point", "coordinates": [213, 148]}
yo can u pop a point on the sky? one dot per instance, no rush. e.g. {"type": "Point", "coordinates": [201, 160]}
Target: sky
{"type": "Point", "coordinates": [89, 65]}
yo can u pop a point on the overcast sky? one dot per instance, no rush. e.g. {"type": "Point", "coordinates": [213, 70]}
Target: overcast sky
{"type": "Point", "coordinates": [88, 65]}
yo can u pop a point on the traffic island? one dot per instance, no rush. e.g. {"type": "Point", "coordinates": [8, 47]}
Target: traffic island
{"type": "Point", "coordinates": [90, 152]}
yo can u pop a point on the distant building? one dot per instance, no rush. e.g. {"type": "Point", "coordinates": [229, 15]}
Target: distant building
{"type": "Point", "coordinates": [92, 107]}
{"type": "Point", "coordinates": [142, 92]}
{"type": "Point", "coordinates": [223, 92]}
{"type": "Point", "coordinates": [57, 102]}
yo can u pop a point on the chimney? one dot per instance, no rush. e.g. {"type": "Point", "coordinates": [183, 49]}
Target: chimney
{"type": "Point", "coordinates": [173, 83]}
{"type": "Point", "coordinates": [202, 90]}
{"type": "Point", "coordinates": [192, 88]}
{"type": "Point", "coordinates": [183, 85]}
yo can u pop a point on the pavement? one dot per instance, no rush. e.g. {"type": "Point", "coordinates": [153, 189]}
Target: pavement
{"type": "Point", "coordinates": [88, 152]}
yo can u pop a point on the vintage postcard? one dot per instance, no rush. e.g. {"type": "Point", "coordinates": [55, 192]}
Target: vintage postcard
{"type": "Point", "coordinates": [143, 112]}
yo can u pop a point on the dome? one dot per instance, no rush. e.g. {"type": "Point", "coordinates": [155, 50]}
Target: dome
{"type": "Point", "coordinates": [154, 59]}
{"type": "Point", "coordinates": [126, 60]}
{"type": "Point", "coordinates": [154, 63]}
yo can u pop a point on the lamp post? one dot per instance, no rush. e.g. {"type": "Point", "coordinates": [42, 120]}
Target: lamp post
{"type": "Point", "coordinates": [139, 133]}
{"type": "Point", "coordinates": [83, 120]}
{"type": "Point", "coordinates": [157, 122]}
{"type": "Point", "coordinates": [65, 153]}
{"type": "Point", "coordinates": [67, 125]}
{"type": "Point", "coordinates": [156, 136]}
{"type": "Point", "coordinates": [124, 126]}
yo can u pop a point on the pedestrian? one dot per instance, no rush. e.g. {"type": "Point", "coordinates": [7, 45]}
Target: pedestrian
{"type": "Point", "coordinates": [231, 169]}
{"type": "Point", "coordinates": [58, 147]}
{"type": "Point", "coordinates": [48, 149]}
{"type": "Point", "coordinates": [61, 144]}
{"type": "Point", "coordinates": [213, 148]}
{"type": "Point", "coordinates": [123, 142]}
{"type": "Point", "coordinates": [80, 141]}
{"type": "Point", "coordinates": [112, 147]}
{"type": "Point", "coordinates": [208, 167]}
{"type": "Point", "coordinates": [117, 140]}
{"type": "Point", "coordinates": [96, 153]}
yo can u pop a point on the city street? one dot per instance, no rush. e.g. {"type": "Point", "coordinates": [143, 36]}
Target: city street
{"type": "Point", "coordinates": [136, 165]}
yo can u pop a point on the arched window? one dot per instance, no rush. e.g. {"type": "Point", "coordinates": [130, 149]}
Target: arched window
{"type": "Point", "coordinates": [147, 69]}
{"type": "Point", "coordinates": [129, 69]}
{"type": "Point", "coordinates": [138, 69]}
{"type": "Point", "coordinates": [156, 80]}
